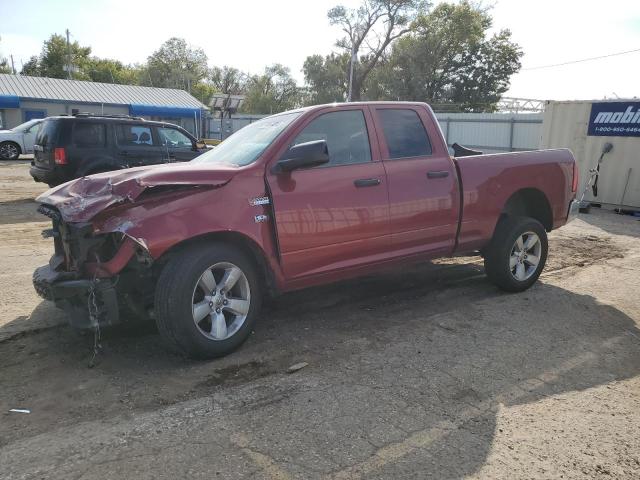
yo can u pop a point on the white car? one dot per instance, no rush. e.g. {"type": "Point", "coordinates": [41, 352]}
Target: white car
{"type": "Point", "coordinates": [18, 140]}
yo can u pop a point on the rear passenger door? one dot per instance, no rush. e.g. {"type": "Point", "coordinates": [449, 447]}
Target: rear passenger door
{"type": "Point", "coordinates": [137, 145]}
{"type": "Point", "coordinates": [423, 185]}
{"type": "Point", "coordinates": [178, 146]}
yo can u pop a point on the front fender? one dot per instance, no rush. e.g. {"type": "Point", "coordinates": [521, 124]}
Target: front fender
{"type": "Point", "coordinates": [160, 221]}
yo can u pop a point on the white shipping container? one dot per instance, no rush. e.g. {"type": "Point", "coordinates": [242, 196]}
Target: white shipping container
{"type": "Point", "coordinates": [565, 125]}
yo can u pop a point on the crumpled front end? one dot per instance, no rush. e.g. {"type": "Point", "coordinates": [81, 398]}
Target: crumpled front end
{"type": "Point", "coordinates": [83, 275]}
{"type": "Point", "coordinates": [96, 273]}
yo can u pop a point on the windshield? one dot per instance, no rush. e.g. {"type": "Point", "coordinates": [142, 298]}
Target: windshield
{"type": "Point", "coordinates": [23, 127]}
{"type": "Point", "coordinates": [246, 145]}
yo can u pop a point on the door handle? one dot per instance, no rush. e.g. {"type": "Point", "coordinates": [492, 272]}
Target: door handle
{"type": "Point", "coordinates": [123, 153]}
{"type": "Point", "coordinates": [437, 174]}
{"type": "Point", "coordinates": [366, 182]}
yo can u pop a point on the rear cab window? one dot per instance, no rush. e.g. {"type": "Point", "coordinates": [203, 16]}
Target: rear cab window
{"type": "Point", "coordinates": [89, 135]}
{"type": "Point", "coordinates": [404, 133]}
{"type": "Point", "coordinates": [346, 135]}
{"type": "Point", "coordinates": [132, 135]}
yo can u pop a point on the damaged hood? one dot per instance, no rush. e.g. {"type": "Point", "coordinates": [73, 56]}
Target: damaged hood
{"type": "Point", "coordinates": [80, 200]}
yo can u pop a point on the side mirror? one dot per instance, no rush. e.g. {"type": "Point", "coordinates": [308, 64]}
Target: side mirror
{"type": "Point", "coordinates": [303, 155]}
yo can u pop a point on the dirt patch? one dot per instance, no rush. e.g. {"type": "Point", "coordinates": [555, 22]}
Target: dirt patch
{"type": "Point", "coordinates": [581, 252]}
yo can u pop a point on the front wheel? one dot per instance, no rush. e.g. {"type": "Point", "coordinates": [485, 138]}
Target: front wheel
{"type": "Point", "coordinates": [517, 254]}
{"type": "Point", "coordinates": [207, 300]}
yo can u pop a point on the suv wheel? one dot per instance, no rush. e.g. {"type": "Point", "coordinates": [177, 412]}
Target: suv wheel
{"type": "Point", "coordinates": [517, 254]}
{"type": "Point", "coordinates": [9, 150]}
{"type": "Point", "coordinates": [207, 300]}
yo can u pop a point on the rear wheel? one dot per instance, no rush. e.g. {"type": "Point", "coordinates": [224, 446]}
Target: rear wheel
{"type": "Point", "coordinates": [207, 300]}
{"type": "Point", "coordinates": [9, 150]}
{"type": "Point", "coordinates": [517, 254]}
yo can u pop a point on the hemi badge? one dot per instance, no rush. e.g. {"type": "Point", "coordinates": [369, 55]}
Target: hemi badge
{"type": "Point", "coordinates": [261, 218]}
{"type": "Point", "coordinates": [259, 201]}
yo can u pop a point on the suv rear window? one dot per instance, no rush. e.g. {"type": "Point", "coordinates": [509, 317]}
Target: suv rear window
{"type": "Point", "coordinates": [89, 134]}
{"type": "Point", "coordinates": [404, 132]}
{"type": "Point", "coordinates": [48, 133]}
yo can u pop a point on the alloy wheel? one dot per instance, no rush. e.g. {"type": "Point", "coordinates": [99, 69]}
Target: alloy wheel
{"type": "Point", "coordinates": [525, 256]}
{"type": "Point", "coordinates": [221, 301]}
{"type": "Point", "coordinates": [8, 151]}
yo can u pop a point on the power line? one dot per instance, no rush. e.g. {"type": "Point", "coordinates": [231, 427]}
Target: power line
{"type": "Point", "coordinates": [582, 60]}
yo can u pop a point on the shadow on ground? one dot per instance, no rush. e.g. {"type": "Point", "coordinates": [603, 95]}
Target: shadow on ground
{"type": "Point", "coordinates": [20, 211]}
{"type": "Point", "coordinates": [421, 359]}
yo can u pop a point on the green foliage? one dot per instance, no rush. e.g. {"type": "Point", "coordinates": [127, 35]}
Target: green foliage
{"type": "Point", "coordinates": [228, 80]}
{"type": "Point", "coordinates": [54, 57]}
{"type": "Point", "coordinates": [271, 92]}
{"type": "Point", "coordinates": [5, 67]}
{"type": "Point", "coordinates": [327, 78]}
{"type": "Point", "coordinates": [204, 92]}
{"type": "Point", "coordinates": [369, 30]}
{"type": "Point", "coordinates": [113, 71]}
{"type": "Point", "coordinates": [176, 65]}
{"type": "Point", "coordinates": [445, 56]}
{"type": "Point", "coordinates": [31, 67]}
{"type": "Point", "coordinates": [449, 61]}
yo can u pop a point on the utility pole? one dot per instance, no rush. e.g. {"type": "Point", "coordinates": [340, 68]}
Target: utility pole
{"type": "Point", "coordinates": [68, 56]}
{"type": "Point", "coordinates": [13, 68]}
{"type": "Point", "coordinates": [353, 56]}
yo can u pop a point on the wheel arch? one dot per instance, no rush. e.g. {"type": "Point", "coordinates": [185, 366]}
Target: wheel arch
{"type": "Point", "coordinates": [247, 245]}
{"type": "Point", "coordinates": [530, 202]}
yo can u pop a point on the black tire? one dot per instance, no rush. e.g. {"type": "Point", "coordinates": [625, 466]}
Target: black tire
{"type": "Point", "coordinates": [9, 150]}
{"type": "Point", "coordinates": [174, 300]}
{"type": "Point", "coordinates": [497, 256]}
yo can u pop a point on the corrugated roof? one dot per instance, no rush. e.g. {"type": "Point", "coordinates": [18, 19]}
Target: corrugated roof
{"type": "Point", "coordinates": [93, 92]}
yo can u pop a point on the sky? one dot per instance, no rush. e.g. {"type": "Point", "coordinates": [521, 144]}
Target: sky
{"type": "Point", "coordinates": [250, 34]}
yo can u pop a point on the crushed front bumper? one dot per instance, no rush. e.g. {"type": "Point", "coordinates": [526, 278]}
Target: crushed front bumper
{"type": "Point", "coordinates": [88, 303]}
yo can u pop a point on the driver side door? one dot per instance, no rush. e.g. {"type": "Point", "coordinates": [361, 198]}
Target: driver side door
{"type": "Point", "coordinates": [335, 216]}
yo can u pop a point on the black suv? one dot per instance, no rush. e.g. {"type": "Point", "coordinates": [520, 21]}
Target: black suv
{"type": "Point", "coordinates": [69, 147]}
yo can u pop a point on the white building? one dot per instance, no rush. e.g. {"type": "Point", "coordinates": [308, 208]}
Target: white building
{"type": "Point", "coordinates": [23, 98]}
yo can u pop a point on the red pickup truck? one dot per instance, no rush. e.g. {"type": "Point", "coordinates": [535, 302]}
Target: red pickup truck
{"type": "Point", "coordinates": [302, 198]}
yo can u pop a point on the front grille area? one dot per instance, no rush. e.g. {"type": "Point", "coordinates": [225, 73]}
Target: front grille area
{"type": "Point", "coordinates": [51, 212]}
{"type": "Point", "coordinates": [76, 243]}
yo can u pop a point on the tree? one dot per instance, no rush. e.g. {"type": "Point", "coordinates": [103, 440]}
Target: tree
{"type": "Point", "coordinates": [326, 77]}
{"type": "Point", "coordinates": [369, 30]}
{"type": "Point", "coordinates": [54, 56]}
{"type": "Point", "coordinates": [4, 65]}
{"type": "Point", "coordinates": [272, 92]}
{"type": "Point", "coordinates": [31, 67]}
{"type": "Point", "coordinates": [112, 71]}
{"type": "Point", "coordinates": [177, 65]}
{"type": "Point", "coordinates": [228, 80]}
{"type": "Point", "coordinates": [449, 60]}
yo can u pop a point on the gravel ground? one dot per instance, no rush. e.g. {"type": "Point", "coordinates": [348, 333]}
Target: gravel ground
{"type": "Point", "coordinates": [428, 372]}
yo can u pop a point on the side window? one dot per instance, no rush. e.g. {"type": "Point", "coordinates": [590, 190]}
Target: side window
{"type": "Point", "coordinates": [134, 135]}
{"type": "Point", "coordinates": [89, 134]}
{"type": "Point", "coordinates": [174, 138]}
{"type": "Point", "coordinates": [345, 133]}
{"type": "Point", "coordinates": [404, 132]}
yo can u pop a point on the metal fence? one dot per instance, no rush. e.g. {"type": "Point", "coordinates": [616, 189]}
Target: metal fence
{"type": "Point", "coordinates": [217, 128]}
{"type": "Point", "coordinates": [488, 132]}
{"type": "Point", "coordinates": [493, 132]}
